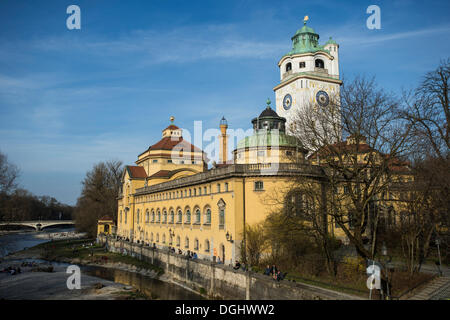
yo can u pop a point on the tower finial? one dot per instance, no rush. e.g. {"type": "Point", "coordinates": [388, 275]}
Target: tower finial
{"type": "Point", "coordinates": [306, 18]}
{"type": "Point", "coordinates": [172, 118]}
{"type": "Point", "coordinates": [268, 103]}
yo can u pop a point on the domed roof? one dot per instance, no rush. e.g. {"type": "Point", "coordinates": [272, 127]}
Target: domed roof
{"type": "Point", "coordinates": [330, 41]}
{"type": "Point", "coordinates": [305, 29]}
{"type": "Point", "coordinates": [268, 112]}
{"type": "Point", "coordinates": [305, 40]}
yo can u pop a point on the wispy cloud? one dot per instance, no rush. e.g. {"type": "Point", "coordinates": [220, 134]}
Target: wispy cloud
{"type": "Point", "coordinates": [183, 44]}
{"type": "Point", "coordinates": [375, 37]}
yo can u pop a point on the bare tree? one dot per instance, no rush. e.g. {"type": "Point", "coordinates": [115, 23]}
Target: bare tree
{"type": "Point", "coordinates": [356, 139]}
{"type": "Point", "coordinates": [302, 220]}
{"type": "Point", "coordinates": [8, 175]}
{"type": "Point", "coordinates": [254, 244]}
{"type": "Point", "coordinates": [427, 110]}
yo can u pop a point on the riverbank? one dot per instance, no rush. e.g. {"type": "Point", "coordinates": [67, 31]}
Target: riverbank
{"type": "Point", "coordinates": [30, 284]}
{"type": "Point", "coordinates": [85, 253]}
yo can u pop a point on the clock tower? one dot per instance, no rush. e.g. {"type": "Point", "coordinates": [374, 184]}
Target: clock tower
{"type": "Point", "coordinates": [309, 74]}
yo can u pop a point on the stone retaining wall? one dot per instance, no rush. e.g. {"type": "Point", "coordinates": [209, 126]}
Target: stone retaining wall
{"type": "Point", "coordinates": [221, 281]}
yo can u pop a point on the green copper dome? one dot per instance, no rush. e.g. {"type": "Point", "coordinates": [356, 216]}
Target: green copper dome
{"type": "Point", "coordinates": [267, 139]}
{"type": "Point", "coordinates": [305, 29]}
{"type": "Point", "coordinates": [269, 130]}
{"type": "Point", "coordinates": [330, 41]}
{"type": "Point", "coordinates": [305, 40]}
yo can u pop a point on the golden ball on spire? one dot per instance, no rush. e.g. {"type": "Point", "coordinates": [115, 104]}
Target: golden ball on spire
{"type": "Point", "coordinates": [172, 118]}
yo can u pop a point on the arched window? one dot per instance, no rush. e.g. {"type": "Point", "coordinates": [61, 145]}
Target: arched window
{"type": "Point", "coordinates": [120, 215]}
{"type": "Point", "coordinates": [137, 216]}
{"type": "Point", "coordinates": [146, 216]}
{"type": "Point", "coordinates": [206, 245]}
{"type": "Point", "coordinates": [299, 204]}
{"type": "Point", "coordinates": [153, 215]}
{"type": "Point", "coordinates": [188, 216]}
{"type": "Point", "coordinates": [172, 216]}
{"type": "Point", "coordinates": [126, 216]}
{"type": "Point", "coordinates": [157, 237]}
{"type": "Point", "coordinates": [319, 63]}
{"type": "Point", "coordinates": [207, 216]}
{"type": "Point", "coordinates": [302, 65]}
{"type": "Point", "coordinates": [151, 237]}
{"type": "Point", "coordinates": [186, 242]}
{"type": "Point", "coordinates": [180, 216]}
{"type": "Point", "coordinates": [164, 238]}
{"type": "Point", "coordinates": [164, 216]}
{"type": "Point", "coordinates": [288, 67]}
{"type": "Point", "coordinates": [221, 206]}
{"type": "Point", "coordinates": [158, 216]}
{"type": "Point", "coordinates": [196, 244]}
{"type": "Point", "coordinates": [197, 216]}
{"type": "Point", "coordinates": [178, 241]}
{"type": "Point", "coordinates": [221, 218]}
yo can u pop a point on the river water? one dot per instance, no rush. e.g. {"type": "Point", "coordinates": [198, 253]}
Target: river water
{"type": "Point", "coordinates": [16, 241]}
{"type": "Point", "coordinates": [152, 288]}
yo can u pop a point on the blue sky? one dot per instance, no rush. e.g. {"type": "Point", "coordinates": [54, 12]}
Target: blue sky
{"type": "Point", "coordinates": [72, 98]}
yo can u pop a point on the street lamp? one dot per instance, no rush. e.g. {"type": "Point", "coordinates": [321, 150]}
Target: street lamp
{"type": "Point", "coordinates": [229, 237]}
{"type": "Point", "coordinates": [439, 255]}
{"type": "Point", "coordinates": [387, 260]}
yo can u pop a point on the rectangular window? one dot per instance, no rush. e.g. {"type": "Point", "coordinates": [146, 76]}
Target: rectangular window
{"type": "Point", "coordinates": [169, 161]}
{"type": "Point", "coordinates": [261, 153]}
{"type": "Point", "coordinates": [218, 187]}
{"type": "Point", "coordinates": [259, 185]}
{"type": "Point", "coordinates": [302, 65]}
{"type": "Point", "coordinates": [155, 161]}
{"type": "Point", "coordinates": [226, 186]}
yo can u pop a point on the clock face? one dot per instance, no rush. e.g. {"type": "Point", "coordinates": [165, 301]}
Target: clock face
{"type": "Point", "coordinates": [287, 102]}
{"type": "Point", "coordinates": [322, 98]}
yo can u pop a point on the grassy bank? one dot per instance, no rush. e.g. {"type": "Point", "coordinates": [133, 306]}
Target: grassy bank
{"type": "Point", "coordinates": [84, 251]}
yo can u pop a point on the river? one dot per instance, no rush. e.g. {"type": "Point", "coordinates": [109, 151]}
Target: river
{"type": "Point", "coordinates": [152, 288]}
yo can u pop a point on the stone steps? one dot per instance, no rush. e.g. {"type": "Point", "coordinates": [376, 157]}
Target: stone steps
{"type": "Point", "coordinates": [436, 286]}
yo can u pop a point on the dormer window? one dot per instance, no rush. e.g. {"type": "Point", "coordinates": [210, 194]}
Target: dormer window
{"type": "Point", "coordinates": [319, 63]}
{"type": "Point", "coordinates": [288, 67]}
{"type": "Point", "coordinates": [302, 64]}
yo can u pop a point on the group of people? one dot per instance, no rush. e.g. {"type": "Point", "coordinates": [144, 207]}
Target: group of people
{"type": "Point", "coordinates": [12, 270]}
{"type": "Point", "coordinates": [238, 266]}
{"type": "Point", "coordinates": [275, 273]}
{"type": "Point", "coordinates": [189, 254]}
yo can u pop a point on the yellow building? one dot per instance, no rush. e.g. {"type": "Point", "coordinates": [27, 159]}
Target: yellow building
{"type": "Point", "coordinates": [171, 199]}
{"type": "Point", "coordinates": [105, 225]}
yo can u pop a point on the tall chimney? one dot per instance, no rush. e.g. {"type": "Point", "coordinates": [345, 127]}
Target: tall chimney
{"type": "Point", "coordinates": [223, 141]}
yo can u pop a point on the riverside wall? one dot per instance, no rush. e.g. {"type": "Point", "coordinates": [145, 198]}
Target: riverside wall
{"type": "Point", "coordinates": [220, 281]}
